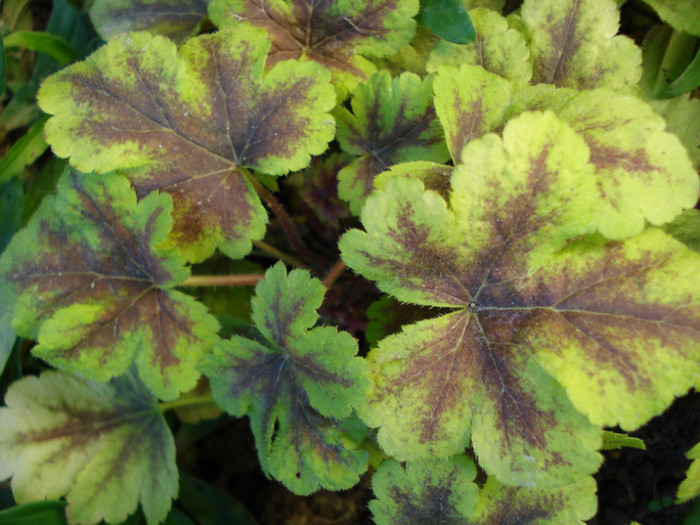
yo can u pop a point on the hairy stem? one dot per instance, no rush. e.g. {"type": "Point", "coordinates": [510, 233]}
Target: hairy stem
{"type": "Point", "coordinates": [333, 274]}
{"type": "Point", "coordinates": [223, 280]}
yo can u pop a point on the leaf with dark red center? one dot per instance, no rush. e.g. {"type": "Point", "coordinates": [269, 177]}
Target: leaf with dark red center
{"type": "Point", "coordinates": [105, 446]}
{"type": "Point", "coordinates": [573, 43]}
{"type": "Point", "coordinates": [616, 324]}
{"type": "Point", "coordinates": [185, 121]}
{"type": "Point", "coordinates": [177, 19]}
{"type": "Point", "coordinates": [337, 34]}
{"type": "Point", "coordinates": [392, 121]}
{"type": "Point", "coordinates": [442, 491]}
{"type": "Point", "coordinates": [296, 383]}
{"type": "Point", "coordinates": [86, 279]}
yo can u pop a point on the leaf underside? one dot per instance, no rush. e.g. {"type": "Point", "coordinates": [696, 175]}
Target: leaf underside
{"type": "Point", "coordinates": [85, 278]}
{"type": "Point", "coordinates": [104, 446]}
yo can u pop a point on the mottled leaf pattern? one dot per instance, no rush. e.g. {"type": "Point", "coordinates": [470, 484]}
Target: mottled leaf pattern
{"type": "Point", "coordinates": [338, 34]}
{"type": "Point", "coordinates": [573, 44]}
{"type": "Point", "coordinates": [104, 446]}
{"type": "Point", "coordinates": [185, 121]}
{"type": "Point", "coordinates": [392, 121]}
{"type": "Point", "coordinates": [494, 253]}
{"type": "Point", "coordinates": [296, 383]}
{"type": "Point", "coordinates": [86, 279]}
{"type": "Point", "coordinates": [177, 19]}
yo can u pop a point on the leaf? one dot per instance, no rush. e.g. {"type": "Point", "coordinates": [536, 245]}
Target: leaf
{"type": "Point", "coordinates": [187, 122]}
{"type": "Point", "coordinates": [392, 121]}
{"type": "Point", "coordinates": [210, 505]}
{"type": "Point", "coordinates": [615, 441]}
{"type": "Point", "coordinates": [86, 278]}
{"type": "Point", "coordinates": [448, 19]}
{"type": "Point", "coordinates": [690, 486]}
{"type": "Point", "coordinates": [681, 14]}
{"type": "Point", "coordinates": [686, 228]}
{"type": "Point", "coordinates": [24, 151]}
{"type": "Point", "coordinates": [609, 321]}
{"type": "Point", "coordinates": [319, 190]}
{"type": "Point", "coordinates": [687, 81]}
{"type": "Point", "coordinates": [176, 19]}
{"type": "Point", "coordinates": [44, 512]}
{"type": "Point", "coordinates": [105, 446]}
{"type": "Point", "coordinates": [425, 491]}
{"type": "Point", "coordinates": [573, 44]}
{"type": "Point", "coordinates": [11, 196]}
{"type": "Point", "coordinates": [498, 48]}
{"type": "Point", "coordinates": [53, 45]}
{"type": "Point", "coordinates": [470, 102]}
{"type": "Point", "coordinates": [641, 171]}
{"type": "Point", "coordinates": [296, 383]}
{"type": "Point", "coordinates": [338, 34]}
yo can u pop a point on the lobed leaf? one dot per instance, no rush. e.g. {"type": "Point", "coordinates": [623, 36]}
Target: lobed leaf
{"type": "Point", "coordinates": [392, 121]}
{"type": "Point", "coordinates": [86, 278]}
{"type": "Point", "coordinates": [186, 122]}
{"type": "Point", "coordinates": [176, 19]}
{"type": "Point", "coordinates": [498, 48]}
{"type": "Point", "coordinates": [690, 486]}
{"type": "Point", "coordinates": [296, 383]}
{"type": "Point", "coordinates": [104, 446]}
{"type": "Point", "coordinates": [574, 44]}
{"type": "Point", "coordinates": [607, 320]}
{"type": "Point", "coordinates": [338, 34]}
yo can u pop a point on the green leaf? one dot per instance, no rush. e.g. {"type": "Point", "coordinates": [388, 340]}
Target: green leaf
{"type": "Point", "coordinates": [426, 491]}
{"type": "Point", "coordinates": [448, 19]}
{"type": "Point", "coordinates": [392, 121]}
{"type": "Point", "coordinates": [615, 440]}
{"type": "Point", "coordinates": [52, 45]}
{"type": "Point", "coordinates": [338, 34]}
{"type": "Point", "coordinates": [642, 173]}
{"type": "Point", "coordinates": [681, 14]}
{"type": "Point", "coordinates": [690, 486]}
{"type": "Point", "coordinates": [437, 491]}
{"type": "Point", "coordinates": [574, 44]}
{"type": "Point", "coordinates": [2, 66]}
{"type": "Point", "coordinates": [86, 279]}
{"type": "Point", "coordinates": [296, 383]}
{"type": "Point", "coordinates": [686, 228]}
{"type": "Point", "coordinates": [104, 446]}
{"type": "Point", "coordinates": [687, 81]}
{"type": "Point", "coordinates": [470, 102]}
{"type": "Point", "coordinates": [611, 322]}
{"type": "Point", "coordinates": [24, 152]}
{"type": "Point", "coordinates": [187, 121]}
{"type": "Point", "coordinates": [498, 48]}
{"type": "Point", "coordinates": [176, 19]}
{"type": "Point", "coordinates": [43, 512]}
{"type": "Point", "coordinates": [210, 505]}
{"type": "Point", "coordinates": [11, 196]}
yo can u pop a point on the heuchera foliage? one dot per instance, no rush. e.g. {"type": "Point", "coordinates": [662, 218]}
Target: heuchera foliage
{"type": "Point", "coordinates": [517, 200]}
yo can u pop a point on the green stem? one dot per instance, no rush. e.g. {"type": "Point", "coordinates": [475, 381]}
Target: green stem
{"type": "Point", "coordinates": [185, 402]}
{"type": "Point", "coordinates": [223, 280]}
{"type": "Point", "coordinates": [279, 254]}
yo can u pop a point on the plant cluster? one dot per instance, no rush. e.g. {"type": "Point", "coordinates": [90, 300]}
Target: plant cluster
{"type": "Point", "coordinates": [515, 190]}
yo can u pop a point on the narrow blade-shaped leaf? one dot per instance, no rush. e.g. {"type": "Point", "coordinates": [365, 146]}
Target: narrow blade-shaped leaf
{"type": "Point", "coordinates": [105, 446]}
{"type": "Point", "coordinates": [296, 383]}
{"type": "Point", "coordinates": [86, 279]}
{"type": "Point", "coordinates": [184, 121]}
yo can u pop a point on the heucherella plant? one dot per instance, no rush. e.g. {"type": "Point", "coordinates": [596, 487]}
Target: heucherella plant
{"type": "Point", "coordinates": [516, 213]}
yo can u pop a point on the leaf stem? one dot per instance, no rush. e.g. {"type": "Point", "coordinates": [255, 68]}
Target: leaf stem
{"type": "Point", "coordinates": [333, 274]}
{"type": "Point", "coordinates": [185, 402]}
{"type": "Point", "coordinates": [248, 279]}
{"type": "Point", "coordinates": [279, 254]}
{"type": "Point", "coordinates": [286, 223]}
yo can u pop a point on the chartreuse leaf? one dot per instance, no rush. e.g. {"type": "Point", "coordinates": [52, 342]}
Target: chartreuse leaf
{"type": "Point", "coordinates": [609, 321]}
{"type": "Point", "coordinates": [470, 102]}
{"type": "Point", "coordinates": [690, 486]}
{"type": "Point", "coordinates": [574, 44]}
{"type": "Point", "coordinates": [296, 383]}
{"type": "Point", "coordinates": [498, 48]}
{"type": "Point", "coordinates": [641, 171]}
{"type": "Point", "coordinates": [392, 121]}
{"type": "Point", "coordinates": [104, 446]}
{"type": "Point", "coordinates": [177, 19]}
{"type": "Point", "coordinates": [185, 121]}
{"type": "Point", "coordinates": [443, 491]}
{"type": "Point", "coordinates": [338, 34]}
{"type": "Point", "coordinates": [448, 19]}
{"type": "Point", "coordinates": [86, 279]}
{"type": "Point", "coordinates": [681, 14]}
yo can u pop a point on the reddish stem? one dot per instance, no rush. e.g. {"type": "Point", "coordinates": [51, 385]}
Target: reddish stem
{"type": "Point", "coordinates": [333, 274]}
